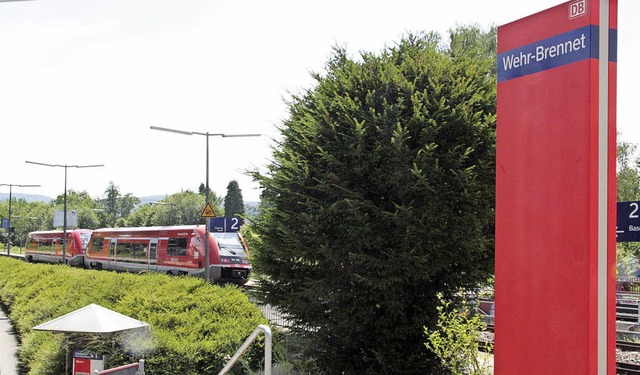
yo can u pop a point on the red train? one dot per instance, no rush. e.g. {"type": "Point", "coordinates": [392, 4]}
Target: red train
{"type": "Point", "coordinates": [46, 246]}
{"type": "Point", "coordinates": [175, 250]}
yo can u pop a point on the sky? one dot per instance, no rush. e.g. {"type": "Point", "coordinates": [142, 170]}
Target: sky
{"type": "Point", "coordinates": [82, 81]}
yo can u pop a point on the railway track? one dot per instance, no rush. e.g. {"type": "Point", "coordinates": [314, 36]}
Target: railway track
{"type": "Point", "coordinates": [627, 368]}
{"type": "Point", "coordinates": [622, 368]}
{"type": "Point", "coordinates": [628, 346]}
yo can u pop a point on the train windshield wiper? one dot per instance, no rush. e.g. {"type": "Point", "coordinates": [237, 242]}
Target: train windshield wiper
{"type": "Point", "coordinates": [223, 246]}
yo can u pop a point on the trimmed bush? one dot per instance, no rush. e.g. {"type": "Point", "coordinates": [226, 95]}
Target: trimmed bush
{"type": "Point", "coordinates": [196, 327]}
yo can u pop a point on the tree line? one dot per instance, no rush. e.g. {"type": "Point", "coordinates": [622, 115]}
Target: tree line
{"type": "Point", "coordinates": [115, 209]}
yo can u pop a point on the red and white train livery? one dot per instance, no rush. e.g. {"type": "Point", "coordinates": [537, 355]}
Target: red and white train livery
{"type": "Point", "coordinates": [46, 246]}
{"type": "Point", "coordinates": [177, 250]}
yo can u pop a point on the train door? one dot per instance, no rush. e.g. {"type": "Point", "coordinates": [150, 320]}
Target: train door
{"type": "Point", "coordinates": [55, 249]}
{"type": "Point", "coordinates": [153, 255]}
{"type": "Point", "coordinates": [112, 254]}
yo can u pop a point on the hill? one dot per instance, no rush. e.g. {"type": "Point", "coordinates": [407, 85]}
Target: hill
{"type": "Point", "coordinates": [26, 197]}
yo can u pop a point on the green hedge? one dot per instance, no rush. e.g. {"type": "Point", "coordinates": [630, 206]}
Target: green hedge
{"type": "Point", "coordinates": [196, 327]}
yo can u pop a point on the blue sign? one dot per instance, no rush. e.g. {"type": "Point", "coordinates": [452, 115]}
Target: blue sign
{"type": "Point", "coordinates": [225, 224]}
{"type": "Point", "coordinates": [88, 355]}
{"type": "Point", "coordinates": [628, 224]}
{"type": "Point", "coordinates": [6, 223]}
{"type": "Point", "coordinates": [575, 45]}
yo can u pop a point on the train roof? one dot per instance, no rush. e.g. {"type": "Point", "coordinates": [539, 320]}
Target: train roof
{"type": "Point", "coordinates": [150, 229]}
{"type": "Point", "coordinates": [60, 231]}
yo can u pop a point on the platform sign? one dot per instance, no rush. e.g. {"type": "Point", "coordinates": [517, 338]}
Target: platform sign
{"type": "Point", "coordinates": [86, 363]}
{"type": "Point", "coordinates": [555, 192]}
{"type": "Point", "coordinates": [226, 224]}
{"type": "Point", "coordinates": [628, 224]}
{"type": "Point", "coordinates": [6, 223]}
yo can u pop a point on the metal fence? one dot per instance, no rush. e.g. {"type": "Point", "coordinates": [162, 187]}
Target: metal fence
{"type": "Point", "coordinates": [275, 316]}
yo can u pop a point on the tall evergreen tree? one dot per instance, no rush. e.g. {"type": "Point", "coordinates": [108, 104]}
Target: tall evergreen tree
{"type": "Point", "coordinates": [111, 203]}
{"type": "Point", "coordinates": [202, 189]}
{"type": "Point", "coordinates": [379, 196]}
{"type": "Point", "coordinates": [233, 202]}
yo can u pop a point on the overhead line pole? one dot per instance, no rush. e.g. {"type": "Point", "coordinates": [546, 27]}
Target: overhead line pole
{"type": "Point", "coordinates": [10, 199]}
{"type": "Point", "coordinates": [207, 258]}
{"type": "Point", "coordinates": [64, 213]}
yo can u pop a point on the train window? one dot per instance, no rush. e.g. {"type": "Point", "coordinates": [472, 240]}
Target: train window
{"type": "Point", "coordinates": [96, 244]}
{"type": "Point", "coordinates": [85, 240]}
{"type": "Point", "coordinates": [177, 246]}
{"type": "Point", "coordinates": [131, 250]}
{"type": "Point", "coordinates": [45, 245]}
{"type": "Point", "coordinates": [229, 243]}
{"type": "Point", "coordinates": [124, 250]}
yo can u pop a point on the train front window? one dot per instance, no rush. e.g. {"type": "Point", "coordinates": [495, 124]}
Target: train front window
{"type": "Point", "coordinates": [85, 240]}
{"type": "Point", "coordinates": [229, 244]}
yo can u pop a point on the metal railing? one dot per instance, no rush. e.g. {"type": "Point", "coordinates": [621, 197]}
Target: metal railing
{"type": "Point", "coordinates": [130, 369]}
{"type": "Point", "coordinates": [245, 346]}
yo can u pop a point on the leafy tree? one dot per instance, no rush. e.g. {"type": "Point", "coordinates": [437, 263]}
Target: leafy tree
{"type": "Point", "coordinates": [233, 202]}
{"type": "Point", "coordinates": [628, 174]}
{"type": "Point", "coordinates": [143, 216]}
{"type": "Point", "coordinates": [379, 197]}
{"type": "Point", "coordinates": [127, 204]}
{"type": "Point", "coordinates": [178, 209]}
{"type": "Point", "coordinates": [188, 206]}
{"type": "Point", "coordinates": [87, 207]}
{"type": "Point", "coordinates": [25, 217]}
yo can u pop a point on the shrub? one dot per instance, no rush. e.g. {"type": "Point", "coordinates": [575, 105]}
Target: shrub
{"type": "Point", "coordinates": [456, 341]}
{"type": "Point", "coordinates": [196, 327]}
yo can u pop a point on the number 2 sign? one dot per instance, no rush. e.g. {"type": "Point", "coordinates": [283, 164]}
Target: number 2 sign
{"type": "Point", "coordinates": [226, 224]}
{"type": "Point", "coordinates": [628, 224]}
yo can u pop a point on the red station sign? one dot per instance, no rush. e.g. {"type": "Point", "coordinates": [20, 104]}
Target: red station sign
{"type": "Point", "coordinates": [555, 192]}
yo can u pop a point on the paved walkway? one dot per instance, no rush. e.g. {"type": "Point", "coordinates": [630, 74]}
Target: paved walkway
{"type": "Point", "coordinates": [8, 347]}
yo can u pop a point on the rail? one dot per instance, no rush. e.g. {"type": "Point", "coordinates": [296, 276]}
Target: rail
{"type": "Point", "coordinates": [245, 346]}
{"type": "Point", "coordinates": [130, 369]}
{"type": "Point", "coordinates": [627, 368]}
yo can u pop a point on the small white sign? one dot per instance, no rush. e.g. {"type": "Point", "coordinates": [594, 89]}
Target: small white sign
{"type": "Point", "coordinates": [72, 218]}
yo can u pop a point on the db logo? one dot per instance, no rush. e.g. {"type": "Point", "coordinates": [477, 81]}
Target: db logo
{"type": "Point", "coordinates": [577, 9]}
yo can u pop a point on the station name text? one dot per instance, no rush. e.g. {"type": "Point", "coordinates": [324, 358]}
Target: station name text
{"type": "Point", "coordinates": [550, 53]}
{"type": "Point", "coordinates": [542, 52]}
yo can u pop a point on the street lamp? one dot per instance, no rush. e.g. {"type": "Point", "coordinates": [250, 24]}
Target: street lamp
{"type": "Point", "coordinates": [10, 188]}
{"type": "Point", "coordinates": [64, 213]}
{"type": "Point", "coordinates": [208, 220]}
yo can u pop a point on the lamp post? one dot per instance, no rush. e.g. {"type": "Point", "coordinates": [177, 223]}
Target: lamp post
{"type": "Point", "coordinates": [64, 213]}
{"type": "Point", "coordinates": [10, 199]}
{"type": "Point", "coordinates": [208, 221]}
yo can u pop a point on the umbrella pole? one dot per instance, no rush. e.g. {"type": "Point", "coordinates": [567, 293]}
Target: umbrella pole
{"type": "Point", "coordinates": [66, 355]}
